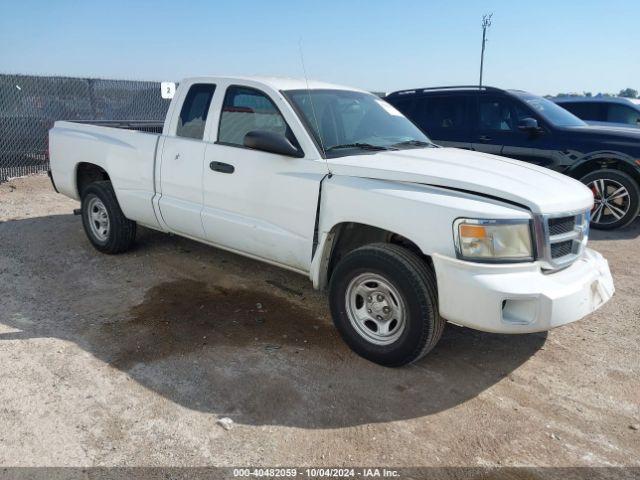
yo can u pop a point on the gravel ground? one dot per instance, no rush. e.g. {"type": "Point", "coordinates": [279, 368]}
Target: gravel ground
{"type": "Point", "coordinates": [132, 359]}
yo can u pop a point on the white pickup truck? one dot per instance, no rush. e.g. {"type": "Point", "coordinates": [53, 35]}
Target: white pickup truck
{"type": "Point", "coordinates": [334, 183]}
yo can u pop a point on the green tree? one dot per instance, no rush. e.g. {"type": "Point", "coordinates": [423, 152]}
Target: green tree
{"type": "Point", "coordinates": [628, 93]}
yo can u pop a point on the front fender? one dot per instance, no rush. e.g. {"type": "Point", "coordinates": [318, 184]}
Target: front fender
{"type": "Point", "coordinates": [420, 213]}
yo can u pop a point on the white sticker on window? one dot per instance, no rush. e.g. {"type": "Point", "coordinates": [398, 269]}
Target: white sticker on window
{"type": "Point", "coordinates": [167, 89]}
{"type": "Point", "coordinates": [390, 109]}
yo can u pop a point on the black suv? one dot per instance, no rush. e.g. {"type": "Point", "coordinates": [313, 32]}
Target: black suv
{"type": "Point", "coordinates": [526, 127]}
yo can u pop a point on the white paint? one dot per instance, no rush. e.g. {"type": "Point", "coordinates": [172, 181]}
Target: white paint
{"type": "Point", "coordinates": [267, 208]}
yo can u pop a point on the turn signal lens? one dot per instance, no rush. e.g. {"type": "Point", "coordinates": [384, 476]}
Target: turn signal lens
{"type": "Point", "coordinates": [472, 231]}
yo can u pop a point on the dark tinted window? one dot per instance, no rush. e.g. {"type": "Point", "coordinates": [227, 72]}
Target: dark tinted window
{"type": "Point", "coordinates": [444, 113]}
{"type": "Point", "coordinates": [406, 105]}
{"type": "Point", "coordinates": [622, 114]}
{"type": "Point", "coordinates": [499, 113]}
{"type": "Point", "coordinates": [584, 110]}
{"type": "Point", "coordinates": [245, 110]}
{"type": "Point", "coordinates": [193, 115]}
{"type": "Point", "coordinates": [439, 114]}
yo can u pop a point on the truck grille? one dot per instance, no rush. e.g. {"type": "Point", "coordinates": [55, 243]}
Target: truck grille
{"type": "Point", "coordinates": [561, 225]}
{"type": "Point", "coordinates": [559, 250]}
{"type": "Point", "coordinates": [560, 239]}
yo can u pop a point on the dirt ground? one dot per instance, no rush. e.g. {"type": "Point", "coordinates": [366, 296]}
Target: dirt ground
{"type": "Point", "coordinates": [132, 359]}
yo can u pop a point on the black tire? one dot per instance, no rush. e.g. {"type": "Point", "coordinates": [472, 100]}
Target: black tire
{"type": "Point", "coordinates": [415, 282]}
{"type": "Point", "coordinates": [606, 220]}
{"type": "Point", "coordinates": [120, 234]}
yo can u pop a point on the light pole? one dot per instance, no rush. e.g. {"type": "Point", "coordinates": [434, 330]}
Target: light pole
{"type": "Point", "coordinates": [486, 23]}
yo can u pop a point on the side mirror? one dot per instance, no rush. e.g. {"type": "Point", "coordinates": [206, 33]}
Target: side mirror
{"type": "Point", "coordinates": [529, 125]}
{"type": "Point", "coordinates": [271, 142]}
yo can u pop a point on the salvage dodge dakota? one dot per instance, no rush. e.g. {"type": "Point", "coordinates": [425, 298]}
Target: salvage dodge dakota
{"type": "Point", "coordinates": [337, 184]}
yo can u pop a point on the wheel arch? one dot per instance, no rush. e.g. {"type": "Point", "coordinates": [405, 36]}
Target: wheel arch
{"type": "Point", "coordinates": [86, 173]}
{"type": "Point", "coordinates": [604, 161]}
{"type": "Point", "coordinates": [345, 237]}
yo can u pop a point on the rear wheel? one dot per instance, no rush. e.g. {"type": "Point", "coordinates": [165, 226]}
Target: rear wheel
{"type": "Point", "coordinates": [104, 223]}
{"type": "Point", "coordinates": [616, 198]}
{"type": "Point", "coordinates": [383, 301]}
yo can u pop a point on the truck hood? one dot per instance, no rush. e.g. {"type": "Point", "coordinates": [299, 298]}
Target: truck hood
{"type": "Point", "coordinates": [539, 189]}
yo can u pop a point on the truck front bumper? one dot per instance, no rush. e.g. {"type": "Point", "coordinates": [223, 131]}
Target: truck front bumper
{"type": "Point", "coordinates": [520, 298]}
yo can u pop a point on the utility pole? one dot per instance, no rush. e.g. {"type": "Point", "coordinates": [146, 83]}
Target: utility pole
{"type": "Point", "coordinates": [486, 23]}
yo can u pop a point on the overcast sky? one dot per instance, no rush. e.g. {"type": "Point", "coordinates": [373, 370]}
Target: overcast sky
{"type": "Point", "coordinates": [543, 46]}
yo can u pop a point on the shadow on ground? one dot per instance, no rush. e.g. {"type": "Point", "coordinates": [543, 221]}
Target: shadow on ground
{"type": "Point", "coordinates": [258, 355]}
{"type": "Point", "coordinates": [627, 233]}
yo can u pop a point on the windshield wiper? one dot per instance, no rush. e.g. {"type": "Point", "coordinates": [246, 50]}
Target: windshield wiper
{"type": "Point", "coordinates": [413, 143]}
{"type": "Point", "coordinates": [364, 146]}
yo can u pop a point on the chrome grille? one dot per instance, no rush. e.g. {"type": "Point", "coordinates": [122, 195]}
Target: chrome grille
{"type": "Point", "coordinates": [560, 239]}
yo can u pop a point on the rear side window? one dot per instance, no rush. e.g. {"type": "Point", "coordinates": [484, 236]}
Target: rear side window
{"type": "Point", "coordinates": [584, 110]}
{"type": "Point", "coordinates": [445, 113]}
{"type": "Point", "coordinates": [193, 115]}
{"type": "Point", "coordinates": [246, 109]}
{"type": "Point", "coordinates": [437, 115]}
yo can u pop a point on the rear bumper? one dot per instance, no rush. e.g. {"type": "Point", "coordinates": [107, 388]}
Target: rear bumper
{"type": "Point", "coordinates": [519, 298]}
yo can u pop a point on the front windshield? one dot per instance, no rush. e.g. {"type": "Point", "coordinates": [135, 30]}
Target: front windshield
{"type": "Point", "coordinates": [551, 112]}
{"type": "Point", "coordinates": [344, 122]}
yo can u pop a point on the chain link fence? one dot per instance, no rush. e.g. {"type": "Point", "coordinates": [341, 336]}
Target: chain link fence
{"type": "Point", "coordinates": [30, 104]}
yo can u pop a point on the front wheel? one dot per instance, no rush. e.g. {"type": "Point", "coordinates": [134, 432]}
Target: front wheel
{"type": "Point", "coordinates": [616, 198]}
{"type": "Point", "coordinates": [383, 300]}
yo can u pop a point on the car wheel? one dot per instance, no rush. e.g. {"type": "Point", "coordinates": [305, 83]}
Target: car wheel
{"type": "Point", "coordinates": [108, 230]}
{"type": "Point", "coordinates": [616, 198]}
{"type": "Point", "coordinates": [383, 300]}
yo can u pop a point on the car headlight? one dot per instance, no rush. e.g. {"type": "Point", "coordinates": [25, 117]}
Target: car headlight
{"type": "Point", "coordinates": [493, 240]}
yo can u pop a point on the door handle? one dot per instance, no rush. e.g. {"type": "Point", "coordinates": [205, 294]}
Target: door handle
{"type": "Point", "coordinates": [484, 138]}
{"type": "Point", "coordinates": [221, 167]}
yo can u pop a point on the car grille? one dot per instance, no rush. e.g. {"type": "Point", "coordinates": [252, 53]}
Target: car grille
{"type": "Point", "coordinates": [560, 239]}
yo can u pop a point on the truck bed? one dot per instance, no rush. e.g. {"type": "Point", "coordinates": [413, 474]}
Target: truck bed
{"type": "Point", "coordinates": [148, 126]}
{"type": "Point", "coordinates": [127, 150]}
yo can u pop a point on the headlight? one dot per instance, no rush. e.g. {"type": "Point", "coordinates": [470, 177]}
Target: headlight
{"type": "Point", "coordinates": [493, 240]}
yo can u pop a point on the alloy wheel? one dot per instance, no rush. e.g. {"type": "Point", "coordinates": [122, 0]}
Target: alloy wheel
{"type": "Point", "coordinates": [611, 201]}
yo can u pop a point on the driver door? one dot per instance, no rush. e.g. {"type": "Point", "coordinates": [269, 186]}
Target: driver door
{"type": "Point", "coordinates": [259, 203]}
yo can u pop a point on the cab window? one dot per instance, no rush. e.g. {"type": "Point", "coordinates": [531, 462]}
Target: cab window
{"type": "Point", "coordinates": [193, 116]}
{"type": "Point", "coordinates": [247, 109]}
